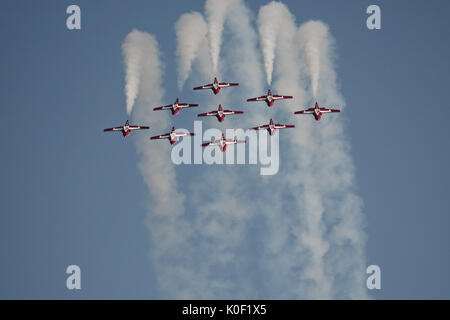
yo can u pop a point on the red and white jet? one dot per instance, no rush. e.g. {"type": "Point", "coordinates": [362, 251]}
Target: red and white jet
{"type": "Point", "coordinates": [317, 111]}
{"type": "Point", "coordinates": [216, 86]}
{"type": "Point", "coordinates": [223, 142]}
{"type": "Point", "coordinates": [176, 106]}
{"type": "Point", "coordinates": [126, 128]}
{"type": "Point", "coordinates": [272, 127]}
{"type": "Point", "coordinates": [270, 98]}
{"type": "Point", "coordinates": [173, 135]}
{"type": "Point", "coordinates": [220, 113]}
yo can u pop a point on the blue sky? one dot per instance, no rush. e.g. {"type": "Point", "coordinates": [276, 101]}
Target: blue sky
{"type": "Point", "coordinates": [73, 195]}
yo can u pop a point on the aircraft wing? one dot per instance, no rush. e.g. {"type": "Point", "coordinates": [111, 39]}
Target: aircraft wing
{"type": "Point", "coordinates": [187, 105]}
{"type": "Point", "coordinates": [235, 141]}
{"type": "Point", "coordinates": [226, 84]}
{"type": "Point", "coordinates": [206, 86]}
{"type": "Point", "coordinates": [326, 110]}
{"type": "Point", "coordinates": [257, 99]}
{"type": "Point", "coordinates": [232, 112]}
{"type": "Point", "coordinates": [184, 134]}
{"type": "Point", "coordinates": [212, 143]}
{"type": "Point", "coordinates": [277, 97]}
{"type": "Point", "coordinates": [310, 110]}
{"type": "Point", "coordinates": [113, 129]}
{"type": "Point", "coordinates": [211, 113]}
{"type": "Point", "coordinates": [260, 127]}
{"type": "Point", "coordinates": [169, 106]}
{"type": "Point", "coordinates": [163, 136]}
{"type": "Point", "coordinates": [284, 126]}
{"type": "Point", "coordinates": [138, 127]}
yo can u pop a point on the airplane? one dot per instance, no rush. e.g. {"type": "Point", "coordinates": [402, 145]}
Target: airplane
{"type": "Point", "coordinates": [317, 111]}
{"type": "Point", "coordinates": [173, 135]}
{"type": "Point", "coordinates": [216, 86]}
{"type": "Point", "coordinates": [270, 98]}
{"type": "Point", "coordinates": [126, 128]}
{"type": "Point", "coordinates": [219, 113]}
{"type": "Point", "coordinates": [223, 142]}
{"type": "Point", "coordinates": [272, 127]}
{"type": "Point", "coordinates": [176, 106]}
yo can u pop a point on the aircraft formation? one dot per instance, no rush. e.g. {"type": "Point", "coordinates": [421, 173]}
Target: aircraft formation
{"type": "Point", "coordinates": [220, 114]}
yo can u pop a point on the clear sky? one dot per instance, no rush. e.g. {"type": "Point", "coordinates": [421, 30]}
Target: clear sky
{"type": "Point", "coordinates": [71, 194]}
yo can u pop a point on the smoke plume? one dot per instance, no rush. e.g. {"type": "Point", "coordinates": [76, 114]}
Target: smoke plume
{"type": "Point", "coordinates": [191, 30]}
{"type": "Point", "coordinates": [166, 221]}
{"type": "Point", "coordinates": [313, 41]}
{"type": "Point", "coordinates": [216, 11]}
{"type": "Point", "coordinates": [298, 234]}
{"type": "Point", "coordinates": [270, 19]}
{"type": "Point", "coordinates": [133, 54]}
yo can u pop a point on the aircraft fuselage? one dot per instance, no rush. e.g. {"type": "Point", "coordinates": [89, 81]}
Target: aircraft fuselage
{"type": "Point", "coordinates": [220, 116]}
{"type": "Point", "coordinates": [215, 87]}
{"type": "Point", "coordinates": [223, 145]}
{"type": "Point", "coordinates": [272, 130]}
{"type": "Point", "coordinates": [173, 138]}
{"type": "Point", "coordinates": [175, 110]}
{"type": "Point", "coordinates": [317, 113]}
{"type": "Point", "coordinates": [126, 131]}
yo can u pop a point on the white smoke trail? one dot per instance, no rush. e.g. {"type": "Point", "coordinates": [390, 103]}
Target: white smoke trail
{"type": "Point", "coordinates": [304, 220]}
{"type": "Point", "coordinates": [132, 55]}
{"type": "Point", "coordinates": [168, 226]}
{"type": "Point", "coordinates": [308, 213]}
{"type": "Point", "coordinates": [320, 217]}
{"type": "Point", "coordinates": [199, 257]}
{"type": "Point", "coordinates": [243, 65]}
{"type": "Point", "coordinates": [313, 40]}
{"type": "Point", "coordinates": [223, 211]}
{"type": "Point", "coordinates": [153, 165]}
{"type": "Point", "coordinates": [191, 30]}
{"type": "Point", "coordinates": [269, 28]}
{"type": "Point", "coordinates": [343, 216]}
{"type": "Point", "coordinates": [216, 11]}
